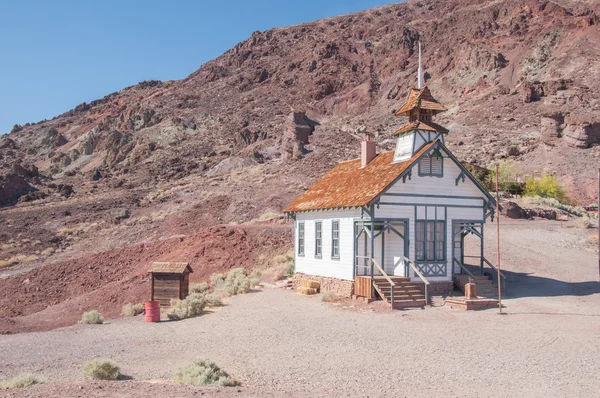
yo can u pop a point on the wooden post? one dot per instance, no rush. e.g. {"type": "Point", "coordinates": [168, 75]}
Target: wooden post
{"type": "Point", "coordinates": [598, 217]}
{"type": "Point", "coordinates": [498, 242]}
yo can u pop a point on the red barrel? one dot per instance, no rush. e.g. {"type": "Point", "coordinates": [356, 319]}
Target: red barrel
{"type": "Point", "coordinates": [152, 311]}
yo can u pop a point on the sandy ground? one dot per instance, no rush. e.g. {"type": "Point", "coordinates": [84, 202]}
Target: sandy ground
{"type": "Point", "coordinates": [279, 343]}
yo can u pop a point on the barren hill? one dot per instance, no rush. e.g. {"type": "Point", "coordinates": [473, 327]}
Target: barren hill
{"type": "Point", "coordinates": [521, 80]}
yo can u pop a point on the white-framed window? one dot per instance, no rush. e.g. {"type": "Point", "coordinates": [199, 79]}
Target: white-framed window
{"type": "Point", "coordinates": [301, 238]}
{"type": "Point", "coordinates": [335, 239]}
{"type": "Point", "coordinates": [430, 241]}
{"type": "Point", "coordinates": [318, 239]}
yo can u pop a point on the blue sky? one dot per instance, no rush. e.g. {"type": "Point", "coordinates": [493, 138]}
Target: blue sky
{"type": "Point", "coordinates": [57, 54]}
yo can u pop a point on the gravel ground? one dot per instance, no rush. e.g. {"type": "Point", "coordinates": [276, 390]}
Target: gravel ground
{"type": "Point", "coordinates": [276, 342]}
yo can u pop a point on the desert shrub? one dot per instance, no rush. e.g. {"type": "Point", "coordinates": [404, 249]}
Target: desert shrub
{"type": "Point", "coordinates": [213, 300]}
{"type": "Point", "coordinates": [236, 282]}
{"type": "Point", "coordinates": [132, 309]}
{"type": "Point", "coordinates": [581, 222]}
{"type": "Point", "coordinates": [22, 380]}
{"type": "Point", "coordinates": [575, 210]}
{"type": "Point", "coordinates": [204, 373]}
{"type": "Point", "coordinates": [291, 269]}
{"type": "Point", "coordinates": [191, 306]}
{"type": "Point", "coordinates": [216, 279]}
{"type": "Point", "coordinates": [330, 297]}
{"type": "Point", "coordinates": [199, 287]}
{"type": "Point", "coordinates": [92, 317]}
{"type": "Point", "coordinates": [101, 369]}
{"type": "Point", "coordinates": [593, 240]}
{"type": "Point", "coordinates": [507, 177]}
{"type": "Point", "coordinates": [545, 187]}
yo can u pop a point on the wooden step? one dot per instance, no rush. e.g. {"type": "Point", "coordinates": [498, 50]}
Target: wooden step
{"type": "Point", "coordinates": [400, 304]}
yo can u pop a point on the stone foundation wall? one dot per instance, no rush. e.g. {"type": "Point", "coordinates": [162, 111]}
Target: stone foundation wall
{"type": "Point", "coordinates": [340, 287]}
{"type": "Point", "coordinates": [437, 288]}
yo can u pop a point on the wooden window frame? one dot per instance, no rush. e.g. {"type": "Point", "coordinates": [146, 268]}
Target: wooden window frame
{"type": "Point", "coordinates": [429, 158]}
{"type": "Point", "coordinates": [335, 239]}
{"type": "Point", "coordinates": [301, 239]}
{"type": "Point", "coordinates": [318, 239]}
{"type": "Point", "coordinates": [427, 243]}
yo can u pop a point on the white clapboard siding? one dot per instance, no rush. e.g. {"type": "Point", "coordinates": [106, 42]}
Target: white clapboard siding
{"type": "Point", "coordinates": [341, 268]}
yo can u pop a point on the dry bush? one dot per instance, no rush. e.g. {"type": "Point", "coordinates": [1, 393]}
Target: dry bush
{"type": "Point", "coordinates": [132, 309]}
{"type": "Point", "coordinates": [236, 282]}
{"type": "Point", "coordinates": [213, 300]}
{"type": "Point", "coordinates": [92, 317]}
{"type": "Point", "coordinates": [581, 222]}
{"type": "Point", "coordinates": [101, 369]}
{"type": "Point", "coordinates": [199, 287]}
{"type": "Point", "coordinates": [22, 380]}
{"type": "Point", "coordinates": [216, 279]}
{"type": "Point", "coordinates": [204, 373]}
{"type": "Point", "coordinates": [191, 306]}
{"type": "Point", "coordinates": [330, 297]}
{"type": "Point", "coordinates": [48, 251]}
{"type": "Point", "coordinates": [593, 240]}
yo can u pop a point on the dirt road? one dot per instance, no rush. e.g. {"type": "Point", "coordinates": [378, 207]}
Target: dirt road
{"type": "Point", "coordinates": [279, 343]}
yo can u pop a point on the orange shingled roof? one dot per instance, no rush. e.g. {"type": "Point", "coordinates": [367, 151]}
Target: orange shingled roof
{"type": "Point", "coordinates": [421, 125]}
{"type": "Point", "coordinates": [349, 185]}
{"type": "Point", "coordinates": [422, 99]}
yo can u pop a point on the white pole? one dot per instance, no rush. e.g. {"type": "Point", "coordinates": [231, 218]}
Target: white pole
{"type": "Point", "coordinates": [420, 70]}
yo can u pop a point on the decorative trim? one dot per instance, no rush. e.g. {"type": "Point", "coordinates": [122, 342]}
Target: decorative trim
{"type": "Point", "coordinates": [460, 176]}
{"type": "Point", "coordinates": [432, 269]}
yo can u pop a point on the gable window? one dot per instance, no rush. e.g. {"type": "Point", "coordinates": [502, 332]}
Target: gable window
{"type": "Point", "coordinates": [301, 239]}
{"type": "Point", "coordinates": [318, 239]}
{"type": "Point", "coordinates": [335, 239]}
{"type": "Point", "coordinates": [431, 242]}
{"type": "Point", "coordinates": [432, 165]}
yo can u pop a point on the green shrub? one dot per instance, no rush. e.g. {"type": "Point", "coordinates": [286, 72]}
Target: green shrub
{"type": "Point", "coordinates": [191, 306]}
{"type": "Point", "coordinates": [575, 210]}
{"type": "Point", "coordinates": [213, 300]}
{"type": "Point", "coordinates": [132, 309]}
{"type": "Point", "coordinates": [291, 269]}
{"type": "Point", "coordinates": [216, 279]}
{"type": "Point", "coordinates": [236, 282]}
{"type": "Point", "coordinates": [545, 187]}
{"type": "Point", "coordinates": [204, 373]}
{"type": "Point", "coordinates": [92, 317]}
{"type": "Point", "coordinates": [507, 177]}
{"type": "Point", "coordinates": [101, 369]}
{"type": "Point", "coordinates": [199, 287]}
{"type": "Point", "coordinates": [22, 380]}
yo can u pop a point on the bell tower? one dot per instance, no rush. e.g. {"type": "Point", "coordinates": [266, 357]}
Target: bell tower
{"type": "Point", "coordinates": [419, 107]}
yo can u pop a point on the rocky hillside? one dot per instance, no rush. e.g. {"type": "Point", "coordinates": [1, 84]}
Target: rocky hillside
{"type": "Point", "coordinates": [521, 80]}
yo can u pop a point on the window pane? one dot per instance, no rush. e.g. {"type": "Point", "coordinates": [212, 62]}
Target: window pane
{"type": "Point", "coordinates": [318, 239]}
{"type": "Point", "coordinates": [301, 238]}
{"type": "Point", "coordinates": [335, 239]}
{"type": "Point", "coordinates": [430, 239]}
{"type": "Point", "coordinates": [440, 245]}
{"type": "Point", "coordinates": [420, 248]}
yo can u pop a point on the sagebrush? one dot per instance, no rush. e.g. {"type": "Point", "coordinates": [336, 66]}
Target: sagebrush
{"type": "Point", "coordinates": [101, 369]}
{"type": "Point", "coordinates": [204, 373]}
{"type": "Point", "coordinates": [189, 307]}
{"type": "Point", "coordinates": [330, 297]}
{"type": "Point", "coordinates": [132, 309]}
{"type": "Point", "coordinates": [236, 282]}
{"type": "Point", "coordinates": [22, 380]}
{"type": "Point", "coordinates": [199, 287]}
{"type": "Point", "coordinates": [92, 317]}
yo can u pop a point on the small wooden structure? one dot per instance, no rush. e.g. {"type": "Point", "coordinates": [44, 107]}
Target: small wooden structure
{"type": "Point", "coordinates": [170, 280]}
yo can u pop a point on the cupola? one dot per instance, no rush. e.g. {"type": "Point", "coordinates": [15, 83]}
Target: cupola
{"type": "Point", "coordinates": [419, 107]}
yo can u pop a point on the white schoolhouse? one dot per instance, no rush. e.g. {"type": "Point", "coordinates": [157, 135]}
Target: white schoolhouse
{"type": "Point", "coordinates": [392, 225]}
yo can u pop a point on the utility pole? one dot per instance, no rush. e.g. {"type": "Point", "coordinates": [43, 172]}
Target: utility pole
{"type": "Point", "coordinates": [498, 242]}
{"type": "Point", "coordinates": [598, 217]}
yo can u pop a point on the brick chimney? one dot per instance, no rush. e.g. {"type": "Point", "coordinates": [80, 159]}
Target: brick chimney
{"type": "Point", "coordinates": [367, 151]}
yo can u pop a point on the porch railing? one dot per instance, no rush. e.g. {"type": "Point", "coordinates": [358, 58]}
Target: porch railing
{"type": "Point", "coordinates": [391, 282]}
{"type": "Point", "coordinates": [420, 275]}
{"type": "Point", "coordinates": [463, 268]}
{"type": "Point", "coordinates": [503, 279]}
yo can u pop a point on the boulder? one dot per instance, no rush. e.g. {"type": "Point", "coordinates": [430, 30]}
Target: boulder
{"type": "Point", "coordinates": [513, 210]}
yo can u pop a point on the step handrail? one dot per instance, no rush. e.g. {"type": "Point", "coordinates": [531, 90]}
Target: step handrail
{"type": "Point", "coordinates": [382, 271]}
{"type": "Point", "coordinates": [420, 275]}
{"type": "Point", "coordinates": [492, 266]}
{"type": "Point", "coordinates": [463, 268]}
